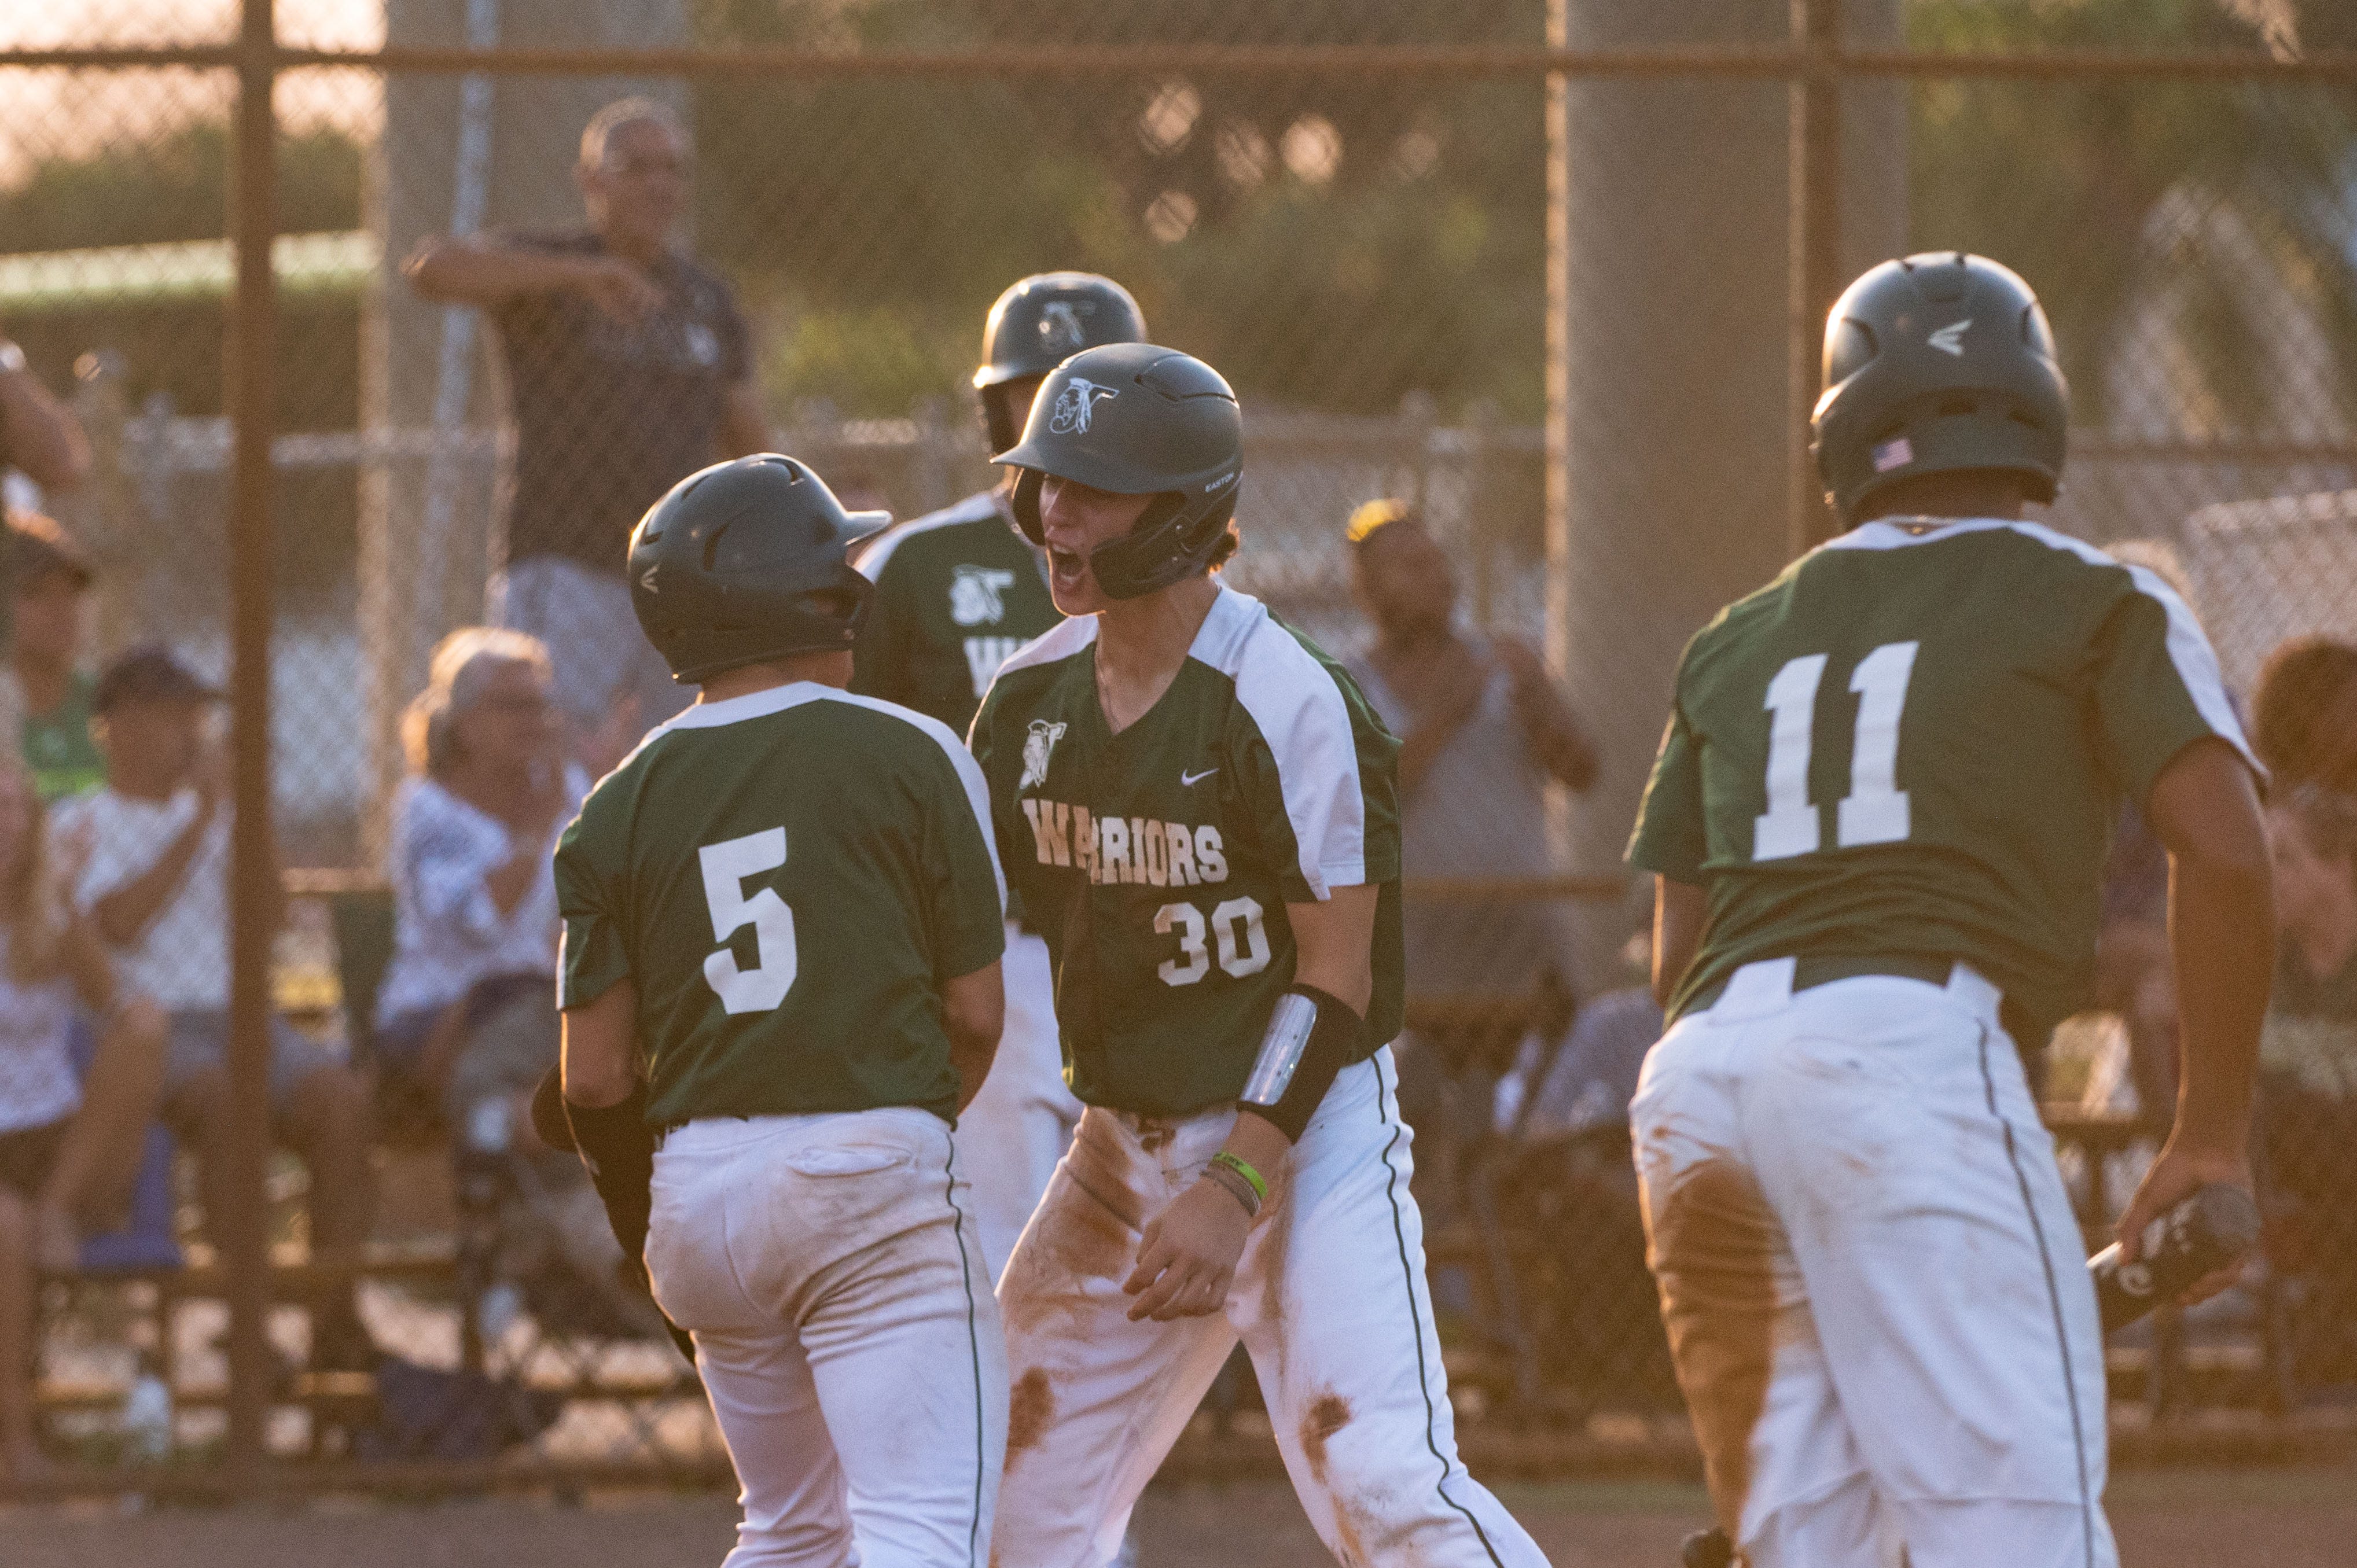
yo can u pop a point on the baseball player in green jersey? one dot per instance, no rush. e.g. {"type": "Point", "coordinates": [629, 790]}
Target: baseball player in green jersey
{"type": "Point", "coordinates": [1878, 822]}
{"type": "Point", "coordinates": [957, 592]}
{"type": "Point", "coordinates": [782, 922]}
{"type": "Point", "coordinates": [1201, 810]}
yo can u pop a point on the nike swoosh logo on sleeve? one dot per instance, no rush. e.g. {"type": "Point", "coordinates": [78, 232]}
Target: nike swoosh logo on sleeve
{"type": "Point", "coordinates": [1187, 779]}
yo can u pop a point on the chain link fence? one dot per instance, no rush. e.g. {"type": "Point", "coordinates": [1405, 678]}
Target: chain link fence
{"type": "Point", "coordinates": [1551, 312]}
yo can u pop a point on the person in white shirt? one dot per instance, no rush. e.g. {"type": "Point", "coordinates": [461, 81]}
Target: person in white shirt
{"type": "Point", "coordinates": [468, 1002]}
{"type": "Point", "coordinates": [468, 1009]}
{"type": "Point", "coordinates": [70, 1143]}
{"type": "Point", "coordinates": [156, 881]}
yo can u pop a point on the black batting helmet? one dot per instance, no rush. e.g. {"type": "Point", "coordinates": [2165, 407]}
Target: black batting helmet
{"type": "Point", "coordinates": [1137, 420]}
{"type": "Point", "coordinates": [1037, 324]}
{"type": "Point", "coordinates": [1939, 362]}
{"type": "Point", "coordinates": [744, 561]}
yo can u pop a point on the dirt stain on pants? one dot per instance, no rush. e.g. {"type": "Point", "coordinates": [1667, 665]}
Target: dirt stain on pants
{"type": "Point", "coordinates": [1713, 1245]}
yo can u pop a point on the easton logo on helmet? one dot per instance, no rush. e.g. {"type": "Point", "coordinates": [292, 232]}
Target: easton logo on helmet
{"type": "Point", "coordinates": [1076, 403]}
{"type": "Point", "coordinates": [1950, 339]}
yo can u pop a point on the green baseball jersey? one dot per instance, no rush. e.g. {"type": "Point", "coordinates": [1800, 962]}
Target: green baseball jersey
{"type": "Point", "coordinates": [957, 592]}
{"type": "Point", "coordinates": [1914, 744]}
{"type": "Point", "coordinates": [1159, 862]}
{"type": "Point", "coordinates": [787, 877]}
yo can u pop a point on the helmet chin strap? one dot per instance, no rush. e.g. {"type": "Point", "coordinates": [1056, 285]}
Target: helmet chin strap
{"type": "Point", "coordinates": [1112, 561]}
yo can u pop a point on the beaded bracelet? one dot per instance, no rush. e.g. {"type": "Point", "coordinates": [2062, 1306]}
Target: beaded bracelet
{"type": "Point", "coordinates": [1235, 1186]}
{"type": "Point", "coordinates": [1243, 1169]}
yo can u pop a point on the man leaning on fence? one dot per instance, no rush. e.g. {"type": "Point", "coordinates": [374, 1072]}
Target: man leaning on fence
{"type": "Point", "coordinates": [628, 368]}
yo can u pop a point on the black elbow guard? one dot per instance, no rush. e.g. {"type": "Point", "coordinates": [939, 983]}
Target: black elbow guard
{"type": "Point", "coordinates": [1311, 1037]}
{"type": "Point", "coordinates": [619, 1147]}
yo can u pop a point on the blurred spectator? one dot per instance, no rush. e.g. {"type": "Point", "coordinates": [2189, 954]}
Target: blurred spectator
{"type": "Point", "coordinates": [2303, 713]}
{"type": "Point", "coordinates": [2308, 1066]}
{"type": "Point", "coordinates": [40, 436]}
{"type": "Point", "coordinates": [628, 368]}
{"type": "Point", "coordinates": [1587, 1082]}
{"type": "Point", "coordinates": [70, 1147]}
{"type": "Point", "coordinates": [51, 579]}
{"type": "Point", "coordinates": [472, 980]}
{"type": "Point", "coordinates": [1483, 732]}
{"type": "Point", "coordinates": [156, 837]}
{"type": "Point", "coordinates": [468, 1005]}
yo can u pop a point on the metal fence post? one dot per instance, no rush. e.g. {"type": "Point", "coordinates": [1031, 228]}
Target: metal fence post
{"type": "Point", "coordinates": [242, 1234]}
{"type": "Point", "coordinates": [1816, 237]}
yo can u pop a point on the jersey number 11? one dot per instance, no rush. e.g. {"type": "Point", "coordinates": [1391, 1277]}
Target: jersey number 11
{"type": "Point", "coordinates": [1875, 809]}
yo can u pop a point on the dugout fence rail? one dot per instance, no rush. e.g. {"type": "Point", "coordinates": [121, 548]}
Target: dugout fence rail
{"type": "Point", "coordinates": [1555, 269]}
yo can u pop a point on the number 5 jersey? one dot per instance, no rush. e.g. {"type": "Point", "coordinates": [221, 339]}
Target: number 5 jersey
{"type": "Point", "coordinates": [787, 877]}
{"type": "Point", "coordinates": [1159, 861]}
{"type": "Point", "coordinates": [1914, 743]}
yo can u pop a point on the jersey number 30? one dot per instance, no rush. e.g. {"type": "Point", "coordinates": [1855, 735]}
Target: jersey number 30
{"type": "Point", "coordinates": [1875, 809]}
{"type": "Point", "coordinates": [726, 866]}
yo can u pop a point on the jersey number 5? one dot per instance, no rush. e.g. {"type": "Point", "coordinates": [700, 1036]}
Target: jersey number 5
{"type": "Point", "coordinates": [1875, 809]}
{"type": "Point", "coordinates": [726, 866]}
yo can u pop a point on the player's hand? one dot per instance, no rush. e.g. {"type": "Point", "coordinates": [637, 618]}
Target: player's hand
{"type": "Point", "coordinates": [620, 289]}
{"type": "Point", "coordinates": [2177, 1174]}
{"type": "Point", "coordinates": [1187, 1257]}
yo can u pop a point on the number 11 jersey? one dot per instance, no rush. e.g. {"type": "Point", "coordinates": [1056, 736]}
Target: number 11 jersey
{"type": "Point", "coordinates": [787, 877]}
{"type": "Point", "coordinates": [1914, 744]}
{"type": "Point", "coordinates": [1158, 862]}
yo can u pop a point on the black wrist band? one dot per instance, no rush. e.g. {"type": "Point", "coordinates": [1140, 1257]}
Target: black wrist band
{"type": "Point", "coordinates": [1312, 1035]}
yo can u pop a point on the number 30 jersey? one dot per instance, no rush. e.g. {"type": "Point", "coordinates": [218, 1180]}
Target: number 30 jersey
{"type": "Point", "coordinates": [1159, 862]}
{"type": "Point", "coordinates": [787, 877]}
{"type": "Point", "coordinates": [1914, 743]}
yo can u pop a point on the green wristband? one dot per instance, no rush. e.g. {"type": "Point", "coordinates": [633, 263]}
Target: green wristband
{"type": "Point", "coordinates": [1243, 1170]}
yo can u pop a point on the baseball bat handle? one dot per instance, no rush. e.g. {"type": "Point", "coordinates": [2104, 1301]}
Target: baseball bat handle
{"type": "Point", "coordinates": [2205, 1232]}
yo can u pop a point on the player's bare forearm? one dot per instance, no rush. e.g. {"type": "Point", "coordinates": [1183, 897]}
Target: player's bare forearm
{"type": "Point", "coordinates": [2204, 809]}
{"type": "Point", "coordinates": [973, 1011]}
{"type": "Point", "coordinates": [601, 1049]}
{"type": "Point", "coordinates": [1680, 910]}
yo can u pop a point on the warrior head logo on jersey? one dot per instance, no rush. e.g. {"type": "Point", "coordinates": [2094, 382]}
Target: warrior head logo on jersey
{"type": "Point", "coordinates": [1076, 403]}
{"type": "Point", "coordinates": [977, 595]}
{"type": "Point", "coordinates": [1037, 745]}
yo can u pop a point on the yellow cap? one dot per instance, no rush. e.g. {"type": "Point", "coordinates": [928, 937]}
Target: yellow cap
{"type": "Point", "coordinates": [1375, 514]}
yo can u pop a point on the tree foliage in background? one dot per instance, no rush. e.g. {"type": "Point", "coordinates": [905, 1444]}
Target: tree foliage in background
{"type": "Point", "coordinates": [176, 188]}
{"type": "Point", "coordinates": [1263, 222]}
{"type": "Point", "coordinates": [2063, 180]}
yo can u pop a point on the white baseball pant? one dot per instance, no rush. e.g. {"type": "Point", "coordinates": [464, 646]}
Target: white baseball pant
{"type": "Point", "coordinates": [828, 1269]}
{"type": "Point", "coordinates": [1330, 1300]}
{"type": "Point", "coordinates": [1874, 1288]}
{"type": "Point", "coordinates": [1016, 1129]}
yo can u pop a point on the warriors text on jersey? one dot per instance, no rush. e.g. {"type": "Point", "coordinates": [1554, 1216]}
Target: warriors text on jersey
{"type": "Point", "coordinates": [1914, 744]}
{"type": "Point", "coordinates": [1159, 861]}
{"type": "Point", "coordinates": [957, 592]}
{"type": "Point", "coordinates": [786, 875]}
